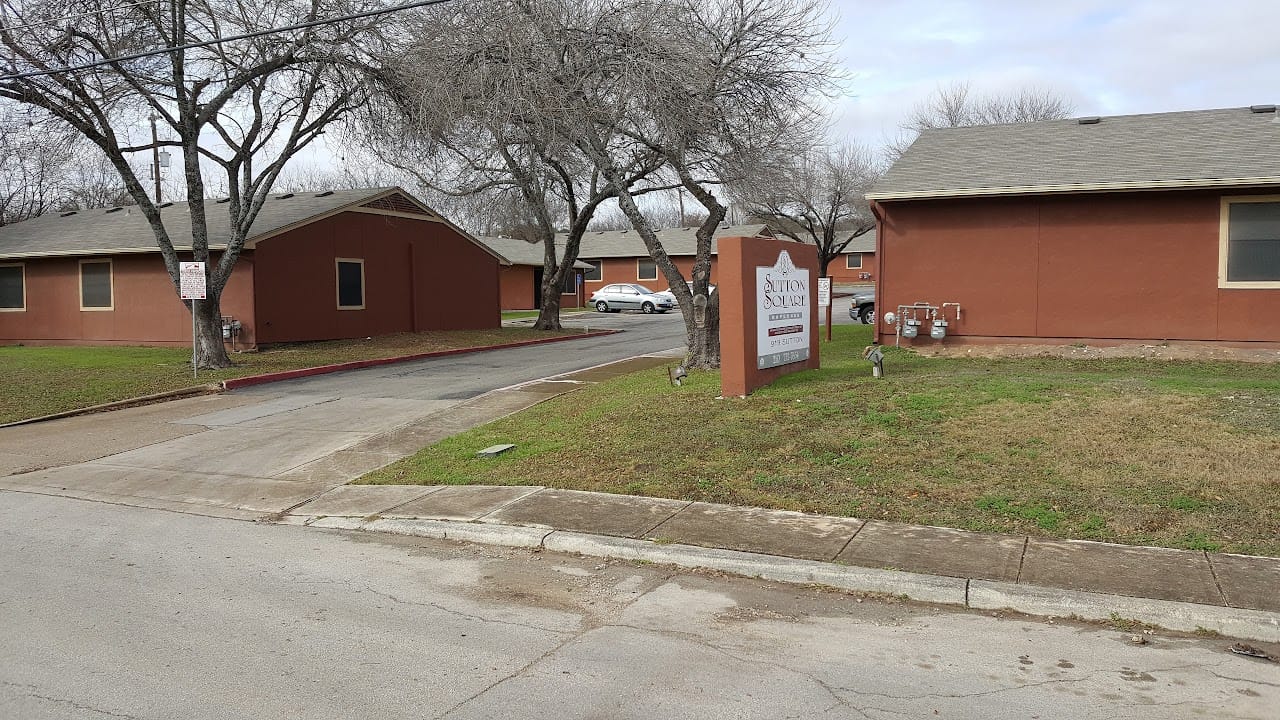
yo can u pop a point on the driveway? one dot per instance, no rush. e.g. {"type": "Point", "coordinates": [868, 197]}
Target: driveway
{"type": "Point", "coordinates": [268, 448]}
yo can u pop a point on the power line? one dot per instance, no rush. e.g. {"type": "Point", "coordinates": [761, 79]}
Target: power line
{"type": "Point", "coordinates": [219, 41]}
{"type": "Point", "coordinates": [54, 21]}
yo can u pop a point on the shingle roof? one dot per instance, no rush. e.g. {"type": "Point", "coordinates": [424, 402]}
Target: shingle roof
{"type": "Point", "coordinates": [1203, 148]}
{"type": "Point", "coordinates": [108, 231]}
{"type": "Point", "coordinates": [520, 252]}
{"type": "Point", "coordinates": [676, 241]}
{"type": "Point", "coordinates": [864, 243]}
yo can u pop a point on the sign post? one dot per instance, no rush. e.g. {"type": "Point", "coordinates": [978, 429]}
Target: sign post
{"type": "Point", "coordinates": [191, 286]}
{"type": "Point", "coordinates": [824, 300]}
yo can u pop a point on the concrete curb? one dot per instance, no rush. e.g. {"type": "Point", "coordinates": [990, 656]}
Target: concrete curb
{"type": "Point", "coordinates": [976, 594]}
{"type": "Point", "coordinates": [1184, 616]}
{"type": "Point", "coordinates": [235, 383]}
{"type": "Point", "coordinates": [928, 588]}
{"type": "Point", "coordinates": [192, 391]}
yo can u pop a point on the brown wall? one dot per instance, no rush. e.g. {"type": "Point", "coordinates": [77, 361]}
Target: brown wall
{"type": "Point", "coordinates": [740, 257]}
{"type": "Point", "coordinates": [146, 310]}
{"type": "Point", "coordinates": [519, 290]}
{"type": "Point", "coordinates": [1122, 266]}
{"type": "Point", "coordinates": [419, 275]}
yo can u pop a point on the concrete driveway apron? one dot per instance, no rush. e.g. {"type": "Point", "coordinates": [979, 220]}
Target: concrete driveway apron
{"type": "Point", "coordinates": [265, 449]}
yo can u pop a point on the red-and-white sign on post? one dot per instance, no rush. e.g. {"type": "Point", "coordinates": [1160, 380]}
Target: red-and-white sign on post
{"type": "Point", "coordinates": [191, 286]}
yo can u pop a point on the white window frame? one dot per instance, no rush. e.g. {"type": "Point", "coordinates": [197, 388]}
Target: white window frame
{"type": "Point", "coordinates": [598, 266]}
{"type": "Point", "coordinates": [655, 269]}
{"type": "Point", "coordinates": [337, 284]}
{"type": "Point", "coordinates": [1224, 244]}
{"type": "Point", "coordinates": [24, 287]}
{"type": "Point", "coordinates": [848, 261]}
{"type": "Point", "coordinates": [111, 280]}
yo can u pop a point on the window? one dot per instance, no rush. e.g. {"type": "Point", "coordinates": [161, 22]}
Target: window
{"type": "Point", "coordinates": [1249, 240]}
{"type": "Point", "coordinates": [646, 270]}
{"type": "Point", "coordinates": [350, 284]}
{"type": "Point", "coordinates": [570, 284]}
{"type": "Point", "coordinates": [96, 285]}
{"type": "Point", "coordinates": [595, 273]}
{"type": "Point", "coordinates": [853, 261]}
{"type": "Point", "coordinates": [13, 288]}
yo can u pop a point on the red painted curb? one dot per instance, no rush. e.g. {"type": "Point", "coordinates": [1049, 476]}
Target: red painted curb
{"type": "Point", "coordinates": [235, 383]}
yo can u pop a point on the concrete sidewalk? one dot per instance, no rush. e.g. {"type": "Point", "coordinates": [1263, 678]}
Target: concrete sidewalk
{"type": "Point", "coordinates": [1185, 590]}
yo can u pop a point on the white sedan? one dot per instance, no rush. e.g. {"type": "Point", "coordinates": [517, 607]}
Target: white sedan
{"type": "Point", "coordinates": [619, 297]}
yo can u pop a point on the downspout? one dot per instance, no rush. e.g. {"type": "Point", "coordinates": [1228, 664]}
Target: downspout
{"type": "Point", "coordinates": [878, 212]}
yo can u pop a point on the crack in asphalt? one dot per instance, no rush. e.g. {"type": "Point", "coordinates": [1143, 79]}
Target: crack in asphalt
{"type": "Point", "coordinates": [461, 614]}
{"type": "Point", "coordinates": [587, 628]}
{"type": "Point", "coordinates": [33, 691]}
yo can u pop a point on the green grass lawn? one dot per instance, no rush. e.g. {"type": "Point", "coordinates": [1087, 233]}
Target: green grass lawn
{"type": "Point", "coordinates": [36, 381]}
{"type": "Point", "coordinates": [1180, 454]}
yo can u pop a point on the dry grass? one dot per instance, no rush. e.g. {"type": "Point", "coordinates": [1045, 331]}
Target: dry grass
{"type": "Point", "coordinates": [1179, 454]}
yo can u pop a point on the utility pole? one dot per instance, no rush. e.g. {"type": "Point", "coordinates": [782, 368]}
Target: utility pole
{"type": "Point", "coordinates": [155, 154]}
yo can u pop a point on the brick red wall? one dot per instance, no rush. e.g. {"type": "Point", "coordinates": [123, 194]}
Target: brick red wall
{"type": "Point", "coordinates": [843, 275]}
{"type": "Point", "coordinates": [146, 310]}
{"type": "Point", "coordinates": [419, 275]}
{"type": "Point", "coordinates": [1121, 266]}
{"type": "Point", "coordinates": [623, 270]}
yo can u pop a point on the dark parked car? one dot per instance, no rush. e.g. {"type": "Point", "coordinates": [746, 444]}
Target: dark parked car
{"type": "Point", "coordinates": [626, 296]}
{"type": "Point", "coordinates": [862, 307]}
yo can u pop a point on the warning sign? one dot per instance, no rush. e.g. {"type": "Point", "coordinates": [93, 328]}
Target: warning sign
{"type": "Point", "coordinates": [191, 281]}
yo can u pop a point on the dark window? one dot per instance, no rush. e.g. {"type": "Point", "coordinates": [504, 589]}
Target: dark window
{"type": "Point", "coordinates": [853, 261]}
{"type": "Point", "coordinates": [646, 270]}
{"type": "Point", "coordinates": [1253, 242]}
{"type": "Point", "coordinates": [13, 295]}
{"type": "Point", "coordinates": [594, 273]}
{"type": "Point", "coordinates": [351, 284]}
{"type": "Point", "coordinates": [95, 284]}
{"type": "Point", "coordinates": [570, 284]}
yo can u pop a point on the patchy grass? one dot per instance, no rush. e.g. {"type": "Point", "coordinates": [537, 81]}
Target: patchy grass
{"type": "Point", "coordinates": [1123, 450]}
{"type": "Point", "coordinates": [37, 381]}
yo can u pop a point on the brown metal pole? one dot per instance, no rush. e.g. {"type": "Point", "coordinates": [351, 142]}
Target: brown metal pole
{"type": "Point", "coordinates": [155, 155]}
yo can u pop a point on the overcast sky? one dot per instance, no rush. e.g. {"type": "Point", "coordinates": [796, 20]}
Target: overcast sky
{"type": "Point", "coordinates": [1109, 57]}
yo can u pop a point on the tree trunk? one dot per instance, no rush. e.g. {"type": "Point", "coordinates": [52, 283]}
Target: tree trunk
{"type": "Point", "coordinates": [703, 339]}
{"type": "Point", "coordinates": [549, 313]}
{"type": "Point", "coordinates": [211, 353]}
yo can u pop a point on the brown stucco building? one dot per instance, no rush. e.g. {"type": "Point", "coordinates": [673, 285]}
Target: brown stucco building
{"type": "Point", "coordinates": [317, 266]}
{"type": "Point", "coordinates": [521, 281]}
{"type": "Point", "coordinates": [1142, 228]}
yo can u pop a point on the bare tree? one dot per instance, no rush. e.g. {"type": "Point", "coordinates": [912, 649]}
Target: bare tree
{"type": "Point", "coordinates": [713, 88]}
{"type": "Point", "coordinates": [817, 198]}
{"type": "Point", "coordinates": [32, 164]}
{"type": "Point", "coordinates": [482, 109]}
{"type": "Point", "coordinates": [239, 108]}
{"type": "Point", "coordinates": [956, 105]}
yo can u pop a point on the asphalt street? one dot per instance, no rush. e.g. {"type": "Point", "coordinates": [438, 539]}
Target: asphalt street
{"type": "Point", "coordinates": [119, 612]}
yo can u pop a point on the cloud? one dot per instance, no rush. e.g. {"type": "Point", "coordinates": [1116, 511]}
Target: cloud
{"type": "Point", "coordinates": [1109, 58]}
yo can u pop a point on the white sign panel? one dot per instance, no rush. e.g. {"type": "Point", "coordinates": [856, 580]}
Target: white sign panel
{"type": "Point", "coordinates": [824, 292]}
{"type": "Point", "coordinates": [191, 280]}
{"type": "Point", "coordinates": [782, 313]}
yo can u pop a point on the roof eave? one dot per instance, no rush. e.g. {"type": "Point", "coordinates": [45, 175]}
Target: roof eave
{"type": "Point", "coordinates": [1077, 188]}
